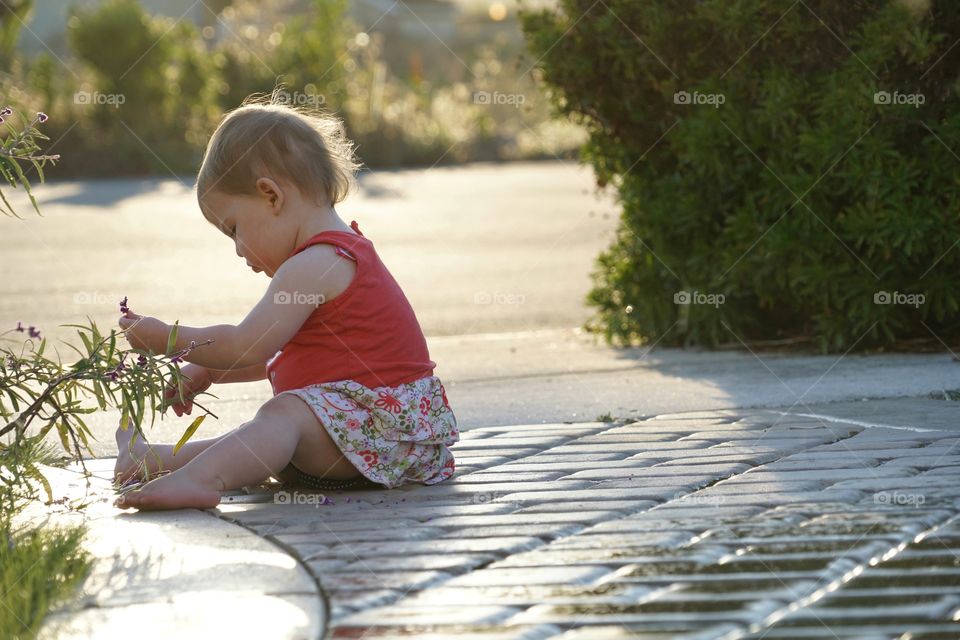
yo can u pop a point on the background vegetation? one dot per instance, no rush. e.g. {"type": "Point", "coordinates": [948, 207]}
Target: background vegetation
{"type": "Point", "coordinates": [804, 187]}
{"type": "Point", "coordinates": [147, 103]}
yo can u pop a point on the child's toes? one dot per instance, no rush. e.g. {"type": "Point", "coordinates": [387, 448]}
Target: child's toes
{"type": "Point", "coordinates": [129, 500]}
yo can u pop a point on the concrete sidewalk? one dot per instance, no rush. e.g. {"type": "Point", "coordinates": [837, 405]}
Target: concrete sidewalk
{"type": "Point", "coordinates": [174, 574]}
{"type": "Point", "coordinates": [840, 520]}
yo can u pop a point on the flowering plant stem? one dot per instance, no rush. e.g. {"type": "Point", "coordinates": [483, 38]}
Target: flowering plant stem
{"type": "Point", "coordinates": [100, 373]}
{"type": "Point", "coordinates": [21, 147]}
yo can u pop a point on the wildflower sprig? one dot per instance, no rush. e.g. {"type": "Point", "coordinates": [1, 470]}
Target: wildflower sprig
{"type": "Point", "coordinates": [20, 149]}
{"type": "Point", "coordinates": [39, 391]}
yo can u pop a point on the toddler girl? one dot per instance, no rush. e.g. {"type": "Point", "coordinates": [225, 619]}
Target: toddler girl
{"type": "Point", "coordinates": [355, 400]}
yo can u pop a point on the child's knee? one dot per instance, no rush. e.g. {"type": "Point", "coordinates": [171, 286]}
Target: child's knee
{"type": "Point", "coordinates": [286, 408]}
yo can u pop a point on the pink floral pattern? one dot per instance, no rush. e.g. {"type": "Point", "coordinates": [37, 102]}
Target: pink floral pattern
{"type": "Point", "coordinates": [392, 435]}
{"type": "Point", "coordinates": [388, 402]}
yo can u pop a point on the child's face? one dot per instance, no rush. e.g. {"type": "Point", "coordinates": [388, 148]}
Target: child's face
{"type": "Point", "coordinates": [253, 223]}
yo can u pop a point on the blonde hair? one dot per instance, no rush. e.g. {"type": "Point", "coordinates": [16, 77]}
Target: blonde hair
{"type": "Point", "coordinates": [266, 137]}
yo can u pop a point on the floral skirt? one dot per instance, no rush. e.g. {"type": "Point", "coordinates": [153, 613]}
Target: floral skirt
{"type": "Point", "coordinates": [392, 435]}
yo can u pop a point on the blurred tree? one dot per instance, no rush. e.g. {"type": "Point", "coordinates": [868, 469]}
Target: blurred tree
{"type": "Point", "coordinates": [13, 15]}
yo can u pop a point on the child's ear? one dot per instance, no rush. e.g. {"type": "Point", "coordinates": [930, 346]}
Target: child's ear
{"type": "Point", "coordinates": [269, 189]}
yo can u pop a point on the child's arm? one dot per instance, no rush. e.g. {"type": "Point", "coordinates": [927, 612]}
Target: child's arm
{"type": "Point", "coordinates": [295, 291]}
{"type": "Point", "coordinates": [253, 373]}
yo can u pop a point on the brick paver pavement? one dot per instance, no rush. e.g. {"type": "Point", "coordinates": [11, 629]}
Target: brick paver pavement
{"type": "Point", "coordinates": [724, 524]}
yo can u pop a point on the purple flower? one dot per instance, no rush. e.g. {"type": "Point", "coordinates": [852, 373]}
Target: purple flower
{"type": "Point", "coordinates": [32, 331]}
{"type": "Point", "coordinates": [123, 305]}
{"type": "Point", "coordinates": [113, 375]}
{"type": "Point", "coordinates": [176, 358]}
{"type": "Point", "coordinates": [6, 111]}
{"type": "Point", "coordinates": [41, 116]}
{"type": "Point", "coordinates": [19, 327]}
{"type": "Point", "coordinates": [1, 119]}
{"type": "Point", "coordinates": [142, 360]}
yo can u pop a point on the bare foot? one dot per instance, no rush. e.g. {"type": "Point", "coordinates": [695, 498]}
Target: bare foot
{"type": "Point", "coordinates": [130, 456]}
{"type": "Point", "coordinates": [173, 491]}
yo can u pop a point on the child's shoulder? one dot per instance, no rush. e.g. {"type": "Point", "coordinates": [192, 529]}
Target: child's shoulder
{"type": "Point", "coordinates": [319, 268]}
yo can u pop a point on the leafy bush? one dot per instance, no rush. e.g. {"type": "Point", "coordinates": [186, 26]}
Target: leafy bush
{"type": "Point", "coordinates": [148, 102]}
{"type": "Point", "coordinates": [152, 99]}
{"type": "Point", "coordinates": [785, 168]}
{"type": "Point", "coordinates": [40, 566]}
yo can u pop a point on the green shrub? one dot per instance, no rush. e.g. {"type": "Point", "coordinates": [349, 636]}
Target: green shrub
{"type": "Point", "coordinates": [302, 50]}
{"type": "Point", "coordinates": [175, 83]}
{"type": "Point", "coordinates": [152, 99]}
{"type": "Point", "coordinates": [13, 15]}
{"type": "Point", "coordinates": [784, 187]}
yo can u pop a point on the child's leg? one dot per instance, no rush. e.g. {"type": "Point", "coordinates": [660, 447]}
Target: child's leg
{"type": "Point", "coordinates": [284, 430]}
{"type": "Point", "coordinates": [133, 458]}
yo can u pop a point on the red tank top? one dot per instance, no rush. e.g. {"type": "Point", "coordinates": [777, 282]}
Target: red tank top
{"type": "Point", "coordinates": [368, 333]}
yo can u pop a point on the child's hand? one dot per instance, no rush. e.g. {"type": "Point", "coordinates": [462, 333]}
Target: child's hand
{"type": "Point", "coordinates": [145, 332]}
{"type": "Point", "coordinates": [199, 381]}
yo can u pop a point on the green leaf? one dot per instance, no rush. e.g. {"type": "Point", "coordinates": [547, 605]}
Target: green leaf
{"type": "Point", "coordinates": [33, 472]}
{"type": "Point", "coordinates": [188, 433]}
{"type": "Point", "coordinates": [172, 338]}
{"type": "Point", "coordinates": [86, 342]}
{"type": "Point", "coordinates": [140, 404]}
{"type": "Point", "coordinates": [62, 431]}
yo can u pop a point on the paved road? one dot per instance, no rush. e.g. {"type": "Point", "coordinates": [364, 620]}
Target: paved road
{"type": "Point", "coordinates": [477, 249]}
